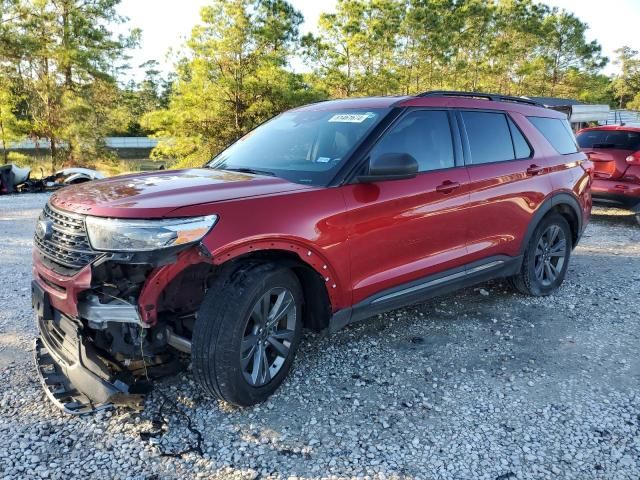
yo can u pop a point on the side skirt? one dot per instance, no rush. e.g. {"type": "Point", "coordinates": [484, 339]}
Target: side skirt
{"type": "Point", "coordinates": [425, 288]}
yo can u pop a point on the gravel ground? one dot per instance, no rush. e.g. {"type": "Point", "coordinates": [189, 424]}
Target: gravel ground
{"type": "Point", "coordinates": [482, 384]}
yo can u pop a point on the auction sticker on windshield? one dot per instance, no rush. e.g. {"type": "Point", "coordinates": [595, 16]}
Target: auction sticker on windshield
{"type": "Point", "coordinates": [351, 117]}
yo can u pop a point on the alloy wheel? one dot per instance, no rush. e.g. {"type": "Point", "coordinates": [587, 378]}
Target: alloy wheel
{"type": "Point", "coordinates": [268, 336]}
{"type": "Point", "coordinates": [550, 255]}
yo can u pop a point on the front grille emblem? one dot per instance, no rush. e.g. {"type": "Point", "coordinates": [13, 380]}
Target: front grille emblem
{"type": "Point", "coordinates": [44, 229]}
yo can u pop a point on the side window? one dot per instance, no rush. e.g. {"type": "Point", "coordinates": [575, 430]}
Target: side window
{"type": "Point", "coordinates": [520, 145]}
{"type": "Point", "coordinates": [489, 137]}
{"type": "Point", "coordinates": [557, 132]}
{"type": "Point", "coordinates": [424, 134]}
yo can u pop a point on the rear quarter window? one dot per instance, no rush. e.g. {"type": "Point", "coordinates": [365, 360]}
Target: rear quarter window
{"type": "Point", "coordinates": [557, 132]}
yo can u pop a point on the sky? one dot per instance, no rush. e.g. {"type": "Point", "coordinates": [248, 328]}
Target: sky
{"type": "Point", "coordinates": [166, 26]}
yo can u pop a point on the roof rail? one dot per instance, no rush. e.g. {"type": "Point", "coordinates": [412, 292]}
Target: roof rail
{"type": "Point", "coordinates": [488, 96]}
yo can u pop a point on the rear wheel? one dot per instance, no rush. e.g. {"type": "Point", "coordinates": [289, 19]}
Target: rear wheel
{"type": "Point", "coordinates": [247, 333]}
{"type": "Point", "coordinates": [546, 258]}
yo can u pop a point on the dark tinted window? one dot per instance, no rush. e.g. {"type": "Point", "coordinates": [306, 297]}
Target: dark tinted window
{"type": "Point", "coordinates": [609, 139]}
{"type": "Point", "coordinates": [426, 135]}
{"type": "Point", "coordinates": [557, 132]}
{"type": "Point", "coordinates": [520, 144]}
{"type": "Point", "coordinates": [489, 137]}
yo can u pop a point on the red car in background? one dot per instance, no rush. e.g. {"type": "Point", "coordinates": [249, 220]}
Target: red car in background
{"type": "Point", "coordinates": [615, 153]}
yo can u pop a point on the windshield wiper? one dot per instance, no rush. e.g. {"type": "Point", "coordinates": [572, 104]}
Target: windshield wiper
{"type": "Point", "coordinates": [254, 171]}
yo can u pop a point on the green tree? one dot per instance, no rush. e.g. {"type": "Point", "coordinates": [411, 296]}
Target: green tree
{"type": "Point", "coordinates": [565, 49]}
{"type": "Point", "coordinates": [232, 79]}
{"type": "Point", "coordinates": [141, 98]}
{"type": "Point", "coordinates": [626, 85]}
{"type": "Point", "coordinates": [65, 54]}
{"type": "Point", "coordinates": [355, 52]}
{"type": "Point", "coordinates": [370, 47]}
{"type": "Point", "coordinates": [11, 127]}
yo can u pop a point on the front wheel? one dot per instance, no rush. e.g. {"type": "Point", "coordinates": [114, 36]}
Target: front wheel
{"type": "Point", "coordinates": [247, 332]}
{"type": "Point", "coordinates": [546, 258]}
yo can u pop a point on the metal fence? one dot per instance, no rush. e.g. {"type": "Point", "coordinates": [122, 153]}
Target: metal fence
{"type": "Point", "coordinates": [110, 142]}
{"type": "Point", "coordinates": [616, 117]}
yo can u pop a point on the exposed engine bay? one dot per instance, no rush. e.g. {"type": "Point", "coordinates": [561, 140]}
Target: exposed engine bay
{"type": "Point", "coordinates": [133, 320]}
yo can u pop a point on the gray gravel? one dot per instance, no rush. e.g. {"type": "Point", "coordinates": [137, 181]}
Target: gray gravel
{"type": "Point", "coordinates": [482, 384]}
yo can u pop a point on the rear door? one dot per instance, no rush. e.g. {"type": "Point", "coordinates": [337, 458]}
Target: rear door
{"type": "Point", "coordinates": [404, 230]}
{"type": "Point", "coordinates": [608, 150]}
{"type": "Point", "coordinates": [507, 182]}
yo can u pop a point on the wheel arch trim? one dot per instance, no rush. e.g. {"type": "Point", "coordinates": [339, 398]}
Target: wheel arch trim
{"type": "Point", "coordinates": [557, 200]}
{"type": "Point", "coordinates": [307, 255]}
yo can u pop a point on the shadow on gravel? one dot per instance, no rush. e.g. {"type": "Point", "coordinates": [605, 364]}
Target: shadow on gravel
{"type": "Point", "coordinates": [618, 217]}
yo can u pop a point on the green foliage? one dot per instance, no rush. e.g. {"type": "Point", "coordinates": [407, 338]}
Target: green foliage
{"type": "Point", "coordinates": [60, 56]}
{"type": "Point", "coordinates": [11, 127]}
{"type": "Point", "coordinates": [59, 63]}
{"type": "Point", "coordinates": [138, 99]}
{"type": "Point", "coordinates": [626, 86]}
{"type": "Point", "coordinates": [17, 158]}
{"type": "Point", "coordinates": [232, 79]}
{"type": "Point", "coordinates": [372, 47]}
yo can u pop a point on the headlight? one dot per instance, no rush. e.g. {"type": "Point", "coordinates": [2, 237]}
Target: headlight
{"type": "Point", "coordinates": [120, 235]}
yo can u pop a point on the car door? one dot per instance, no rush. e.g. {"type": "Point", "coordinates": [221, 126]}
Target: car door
{"type": "Point", "coordinates": [507, 182]}
{"type": "Point", "coordinates": [404, 230]}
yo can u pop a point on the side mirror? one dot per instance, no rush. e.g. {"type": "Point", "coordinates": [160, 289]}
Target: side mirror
{"type": "Point", "coordinates": [390, 166]}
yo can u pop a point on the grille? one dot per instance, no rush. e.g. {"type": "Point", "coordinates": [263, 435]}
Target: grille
{"type": "Point", "coordinates": [68, 249]}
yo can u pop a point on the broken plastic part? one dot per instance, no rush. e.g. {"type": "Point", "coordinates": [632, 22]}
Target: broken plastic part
{"type": "Point", "coordinates": [98, 314]}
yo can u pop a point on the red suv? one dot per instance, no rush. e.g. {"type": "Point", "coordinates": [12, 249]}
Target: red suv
{"type": "Point", "coordinates": [615, 153]}
{"type": "Point", "coordinates": [325, 215]}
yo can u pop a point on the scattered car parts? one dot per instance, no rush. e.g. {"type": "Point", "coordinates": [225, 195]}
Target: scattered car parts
{"type": "Point", "coordinates": [14, 179]}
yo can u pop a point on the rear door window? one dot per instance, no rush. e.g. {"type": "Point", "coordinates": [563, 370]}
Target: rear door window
{"type": "Point", "coordinates": [489, 137]}
{"type": "Point", "coordinates": [557, 132]}
{"type": "Point", "coordinates": [618, 139]}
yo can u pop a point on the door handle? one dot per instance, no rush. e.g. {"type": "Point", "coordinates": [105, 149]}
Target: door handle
{"type": "Point", "coordinates": [534, 170]}
{"type": "Point", "coordinates": [447, 186]}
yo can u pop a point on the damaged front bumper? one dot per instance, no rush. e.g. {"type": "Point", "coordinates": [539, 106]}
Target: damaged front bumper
{"type": "Point", "coordinates": [114, 324]}
{"type": "Point", "coordinates": [72, 374]}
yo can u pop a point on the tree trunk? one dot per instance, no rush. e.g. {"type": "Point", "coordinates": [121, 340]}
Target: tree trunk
{"type": "Point", "coordinates": [54, 152]}
{"type": "Point", "coordinates": [5, 154]}
{"type": "Point", "coordinates": [65, 43]}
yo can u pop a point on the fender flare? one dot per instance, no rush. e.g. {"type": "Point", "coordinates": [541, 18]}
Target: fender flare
{"type": "Point", "coordinates": [308, 255]}
{"type": "Point", "coordinates": [551, 202]}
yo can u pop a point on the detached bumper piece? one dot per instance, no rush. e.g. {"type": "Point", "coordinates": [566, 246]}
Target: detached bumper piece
{"type": "Point", "coordinates": [75, 379]}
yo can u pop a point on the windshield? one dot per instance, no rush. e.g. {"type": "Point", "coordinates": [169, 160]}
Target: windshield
{"type": "Point", "coordinates": [619, 139]}
{"type": "Point", "coordinates": [301, 146]}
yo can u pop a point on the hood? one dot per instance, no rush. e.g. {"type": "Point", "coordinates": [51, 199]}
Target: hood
{"type": "Point", "coordinates": [157, 194]}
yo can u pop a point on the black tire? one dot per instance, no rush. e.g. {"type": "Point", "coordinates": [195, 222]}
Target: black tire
{"type": "Point", "coordinates": [527, 280]}
{"type": "Point", "coordinates": [220, 332]}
